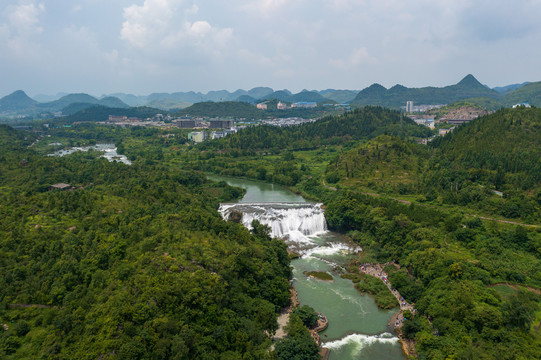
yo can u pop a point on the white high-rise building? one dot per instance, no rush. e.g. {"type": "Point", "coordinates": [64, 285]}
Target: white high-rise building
{"type": "Point", "coordinates": [409, 106]}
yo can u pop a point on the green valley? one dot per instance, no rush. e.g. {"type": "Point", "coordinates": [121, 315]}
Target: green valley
{"type": "Point", "coordinates": [135, 261]}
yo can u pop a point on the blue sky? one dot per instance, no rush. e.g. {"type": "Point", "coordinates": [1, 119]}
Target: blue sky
{"type": "Point", "coordinates": [145, 46]}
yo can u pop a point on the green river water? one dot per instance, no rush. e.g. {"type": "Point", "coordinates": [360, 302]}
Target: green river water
{"type": "Point", "coordinates": [357, 328]}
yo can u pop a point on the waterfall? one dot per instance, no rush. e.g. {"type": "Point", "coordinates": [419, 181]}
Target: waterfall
{"type": "Point", "coordinates": [293, 221]}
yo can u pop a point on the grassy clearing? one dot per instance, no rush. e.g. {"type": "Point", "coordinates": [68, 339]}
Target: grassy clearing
{"type": "Point", "coordinates": [504, 291]}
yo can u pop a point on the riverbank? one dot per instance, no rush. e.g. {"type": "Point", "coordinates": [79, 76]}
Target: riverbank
{"type": "Point", "coordinates": [397, 320]}
{"type": "Point", "coordinates": [283, 320]}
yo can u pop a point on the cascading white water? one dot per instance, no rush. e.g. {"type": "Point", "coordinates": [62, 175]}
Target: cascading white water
{"type": "Point", "coordinates": [355, 320]}
{"type": "Point", "coordinates": [296, 222]}
{"type": "Point", "coordinates": [330, 249]}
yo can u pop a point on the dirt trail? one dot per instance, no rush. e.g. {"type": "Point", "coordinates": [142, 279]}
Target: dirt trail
{"type": "Point", "coordinates": [376, 270]}
{"type": "Point", "coordinates": [518, 286]}
{"type": "Point", "coordinates": [407, 202]}
{"type": "Point", "coordinates": [328, 187]}
{"type": "Point", "coordinates": [283, 318]}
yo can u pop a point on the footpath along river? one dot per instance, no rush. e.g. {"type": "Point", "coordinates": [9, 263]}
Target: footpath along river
{"type": "Point", "coordinates": [357, 328]}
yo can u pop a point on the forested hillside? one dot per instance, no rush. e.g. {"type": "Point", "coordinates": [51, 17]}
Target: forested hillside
{"type": "Point", "coordinates": [530, 93]}
{"type": "Point", "coordinates": [508, 140]}
{"type": "Point", "coordinates": [499, 152]}
{"type": "Point", "coordinates": [360, 124]}
{"type": "Point", "coordinates": [226, 108]}
{"type": "Point", "coordinates": [248, 111]}
{"type": "Point", "coordinates": [131, 262]}
{"type": "Point", "coordinates": [489, 165]}
{"type": "Point", "coordinates": [397, 96]}
{"type": "Point", "coordinates": [386, 164]}
{"type": "Point", "coordinates": [83, 112]}
{"type": "Point", "coordinates": [292, 155]}
{"type": "Point", "coordinates": [475, 285]}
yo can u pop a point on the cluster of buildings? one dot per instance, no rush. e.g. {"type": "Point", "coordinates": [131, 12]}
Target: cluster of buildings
{"type": "Point", "coordinates": [159, 120]}
{"type": "Point", "coordinates": [426, 120]}
{"type": "Point", "coordinates": [223, 127]}
{"type": "Point", "coordinates": [283, 106]}
{"type": "Point", "coordinates": [208, 129]}
{"type": "Point", "coordinates": [412, 108]}
{"type": "Point", "coordinates": [200, 136]}
{"type": "Point", "coordinates": [188, 123]}
{"type": "Point", "coordinates": [299, 105]}
{"type": "Point", "coordinates": [185, 122]}
{"type": "Point", "coordinates": [524, 104]}
{"type": "Point", "coordinates": [455, 116]}
{"type": "Point", "coordinates": [287, 121]}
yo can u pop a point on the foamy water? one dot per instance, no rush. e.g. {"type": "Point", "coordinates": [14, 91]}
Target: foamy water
{"type": "Point", "coordinates": [303, 228]}
{"type": "Point", "coordinates": [296, 223]}
{"type": "Point", "coordinates": [331, 249]}
{"type": "Point", "coordinates": [109, 152]}
{"type": "Point", "coordinates": [358, 342]}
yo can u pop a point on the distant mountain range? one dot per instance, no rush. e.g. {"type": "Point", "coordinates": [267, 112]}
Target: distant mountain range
{"type": "Point", "coordinates": [20, 104]}
{"type": "Point", "coordinates": [180, 100]}
{"type": "Point", "coordinates": [397, 96]}
{"type": "Point", "coordinates": [469, 88]}
{"type": "Point", "coordinates": [509, 88]}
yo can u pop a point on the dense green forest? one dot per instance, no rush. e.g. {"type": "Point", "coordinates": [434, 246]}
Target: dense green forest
{"type": "Point", "coordinates": [457, 271]}
{"type": "Point", "coordinates": [475, 282]}
{"type": "Point", "coordinates": [226, 108]}
{"type": "Point", "coordinates": [290, 155]}
{"type": "Point", "coordinates": [248, 111]}
{"type": "Point", "coordinates": [385, 164]}
{"type": "Point", "coordinates": [491, 163]}
{"type": "Point", "coordinates": [101, 113]}
{"type": "Point", "coordinates": [357, 125]}
{"type": "Point", "coordinates": [135, 262]}
{"type": "Point", "coordinates": [132, 262]}
{"type": "Point", "coordinates": [490, 166]}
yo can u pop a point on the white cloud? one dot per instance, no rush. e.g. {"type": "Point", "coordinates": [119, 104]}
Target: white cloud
{"type": "Point", "coordinates": [164, 25]}
{"type": "Point", "coordinates": [24, 18]}
{"type": "Point", "coordinates": [285, 73]}
{"type": "Point", "coordinates": [268, 8]}
{"type": "Point", "coordinates": [345, 5]}
{"type": "Point", "coordinates": [358, 57]}
{"type": "Point", "coordinates": [190, 44]}
{"type": "Point", "coordinates": [143, 24]}
{"type": "Point", "coordinates": [20, 26]}
{"type": "Point", "coordinates": [250, 57]}
{"type": "Point", "coordinates": [199, 28]}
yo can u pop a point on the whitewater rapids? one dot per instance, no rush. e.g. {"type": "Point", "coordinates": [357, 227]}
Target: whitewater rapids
{"type": "Point", "coordinates": [291, 221]}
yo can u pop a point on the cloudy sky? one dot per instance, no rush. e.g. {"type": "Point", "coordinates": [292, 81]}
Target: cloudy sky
{"type": "Point", "coordinates": [145, 46]}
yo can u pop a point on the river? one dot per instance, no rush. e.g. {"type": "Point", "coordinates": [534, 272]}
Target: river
{"type": "Point", "coordinates": [357, 327]}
